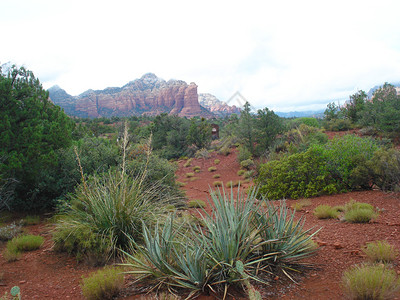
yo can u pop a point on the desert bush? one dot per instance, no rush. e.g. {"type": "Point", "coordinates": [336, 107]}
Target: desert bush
{"type": "Point", "coordinates": [188, 175]}
{"type": "Point", "coordinates": [325, 212]}
{"type": "Point", "coordinates": [20, 244]}
{"type": "Point", "coordinates": [7, 232]}
{"type": "Point", "coordinates": [380, 251]}
{"type": "Point", "coordinates": [248, 174]}
{"type": "Point", "coordinates": [217, 183]}
{"type": "Point", "coordinates": [224, 151]}
{"type": "Point", "coordinates": [196, 203]}
{"type": "Point", "coordinates": [31, 220]}
{"type": "Point", "coordinates": [216, 161]}
{"type": "Point", "coordinates": [338, 125]}
{"type": "Point", "coordinates": [360, 215]}
{"type": "Point", "coordinates": [188, 163]}
{"type": "Point", "coordinates": [216, 176]}
{"type": "Point", "coordinates": [299, 205]}
{"type": "Point", "coordinates": [103, 284]}
{"type": "Point", "coordinates": [107, 211]}
{"type": "Point", "coordinates": [196, 169]}
{"type": "Point", "coordinates": [247, 164]}
{"type": "Point", "coordinates": [244, 154]}
{"type": "Point", "coordinates": [241, 172]}
{"type": "Point", "coordinates": [385, 165]}
{"type": "Point", "coordinates": [202, 153]}
{"type": "Point", "coordinates": [212, 169]}
{"type": "Point", "coordinates": [230, 184]}
{"type": "Point", "coordinates": [370, 282]}
{"type": "Point", "coordinates": [298, 175]}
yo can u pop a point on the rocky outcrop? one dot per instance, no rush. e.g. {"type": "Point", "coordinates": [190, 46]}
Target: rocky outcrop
{"type": "Point", "coordinates": [217, 107]}
{"type": "Point", "coordinates": [148, 95]}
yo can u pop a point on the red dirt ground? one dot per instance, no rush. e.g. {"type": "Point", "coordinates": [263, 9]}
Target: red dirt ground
{"type": "Point", "coordinates": [45, 274]}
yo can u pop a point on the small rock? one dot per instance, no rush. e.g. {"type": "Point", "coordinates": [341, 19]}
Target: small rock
{"type": "Point", "coordinates": [321, 243]}
{"type": "Point", "coordinates": [22, 281]}
{"type": "Point", "coordinates": [313, 274]}
{"type": "Point", "coordinates": [276, 278]}
{"type": "Point", "coordinates": [337, 245]}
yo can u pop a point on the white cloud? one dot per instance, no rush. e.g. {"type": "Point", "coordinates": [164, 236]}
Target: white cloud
{"type": "Point", "coordinates": [280, 54]}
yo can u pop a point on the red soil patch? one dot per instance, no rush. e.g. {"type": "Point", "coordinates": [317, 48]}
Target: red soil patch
{"type": "Point", "coordinates": [45, 274]}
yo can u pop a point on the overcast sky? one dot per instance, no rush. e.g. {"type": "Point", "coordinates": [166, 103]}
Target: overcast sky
{"type": "Point", "coordinates": [284, 55]}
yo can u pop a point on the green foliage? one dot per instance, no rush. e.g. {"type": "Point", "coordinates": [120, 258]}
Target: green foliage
{"type": "Point", "coordinates": [188, 163]}
{"type": "Point", "coordinates": [189, 175]}
{"type": "Point", "coordinates": [385, 165]}
{"type": "Point", "coordinates": [20, 244]}
{"type": "Point", "coordinates": [298, 175]}
{"type": "Point", "coordinates": [301, 138]}
{"type": "Point", "coordinates": [107, 211]}
{"type": "Point", "coordinates": [243, 154]}
{"type": "Point", "coordinates": [370, 282]}
{"type": "Point", "coordinates": [216, 176]}
{"type": "Point", "coordinates": [331, 111]}
{"type": "Point", "coordinates": [216, 161]}
{"type": "Point", "coordinates": [31, 220]}
{"type": "Point", "coordinates": [32, 129]}
{"type": "Point", "coordinates": [235, 243]}
{"type": "Point", "coordinates": [360, 215]}
{"type": "Point", "coordinates": [338, 125]}
{"type": "Point", "coordinates": [241, 172]}
{"type": "Point", "coordinates": [325, 212]}
{"type": "Point", "coordinates": [199, 134]}
{"type": "Point", "coordinates": [380, 251]}
{"type": "Point", "coordinates": [103, 284]}
{"type": "Point", "coordinates": [212, 169]}
{"type": "Point", "coordinates": [355, 106]}
{"type": "Point", "coordinates": [202, 153]}
{"type": "Point", "coordinates": [196, 168]}
{"type": "Point", "coordinates": [196, 204]}
{"type": "Point", "coordinates": [247, 164]}
{"type": "Point", "coordinates": [309, 121]}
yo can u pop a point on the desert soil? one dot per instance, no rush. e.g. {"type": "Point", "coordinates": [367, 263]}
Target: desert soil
{"type": "Point", "coordinates": [46, 274]}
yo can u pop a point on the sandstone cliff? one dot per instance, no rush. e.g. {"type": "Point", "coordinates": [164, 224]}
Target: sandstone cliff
{"type": "Point", "coordinates": [148, 95]}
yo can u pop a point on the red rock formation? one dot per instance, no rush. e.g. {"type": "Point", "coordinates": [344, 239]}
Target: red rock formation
{"type": "Point", "coordinates": [149, 94]}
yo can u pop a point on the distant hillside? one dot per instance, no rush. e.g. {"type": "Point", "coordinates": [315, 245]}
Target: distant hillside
{"type": "Point", "coordinates": [371, 91]}
{"type": "Point", "coordinates": [217, 107]}
{"type": "Point", "coordinates": [300, 114]}
{"type": "Point", "coordinates": [148, 95]}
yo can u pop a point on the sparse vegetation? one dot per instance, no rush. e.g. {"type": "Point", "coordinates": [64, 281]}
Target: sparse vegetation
{"type": "Point", "coordinates": [299, 205]}
{"type": "Point", "coordinates": [325, 212]}
{"type": "Point", "coordinates": [188, 175]}
{"type": "Point", "coordinates": [231, 184]}
{"type": "Point", "coordinates": [212, 169]}
{"type": "Point", "coordinates": [215, 176]}
{"type": "Point", "coordinates": [196, 203]}
{"type": "Point", "coordinates": [196, 169]}
{"type": "Point", "coordinates": [217, 183]}
{"type": "Point", "coordinates": [241, 172]}
{"type": "Point", "coordinates": [380, 251]}
{"type": "Point", "coordinates": [31, 220]}
{"type": "Point", "coordinates": [216, 161]}
{"type": "Point", "coordinates": [188, 163]}
{"type": "Point", "coordinates": [370, 282]}
{"type": "Point", "coordinates": [103, 284]}
{"type": "Point", "coordinates": [17, 245]}
{"type": "Point", "coordinates": [356, 212]}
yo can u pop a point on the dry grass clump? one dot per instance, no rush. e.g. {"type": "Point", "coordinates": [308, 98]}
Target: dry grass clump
{"type": "Point", "coordinates": [380, 251]}
{"type": "Point", "coordinates": [17, 245]}
{"type": "Point", "coordinates": [325, 212]}
{"type": "Point", "coordinates": [230, 184]}
{"type": "Point", "coordinates": [180, 184]}
{"type": "Point", "coordinates": [217, 183]}
{"type": "Point", "coordinates": [212, 169]}
{"type": "Point", "coordinates": [188, 175]}
{"type": "Point", "coordinates": [216, 176]}
{"type": "Point", "coordinates": [370, 282]}
{"type": "Point", "coordinates": [216, 161]}
{"type": "Point", "coordinates": [196, 169]}
{"type": "Point", "coordinates": [188, 163]}
{"type": "Point", "coordinates": [299, 205]}
{"type": "Point", "coordinates": [241, 172]}
{"type": "Point", "coordinates": [196, 203]}
{"type": "Point", "coordinates": [103, 284]}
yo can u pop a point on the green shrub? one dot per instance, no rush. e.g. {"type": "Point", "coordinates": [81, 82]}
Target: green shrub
{"type": "Point", "coordinates": [31, 220]}
{"type": "Point", "coordinates": [212, 169]}
{"type": "Point", "coordinates": [230, 184]}
{"type": "Point", "coordinates": [188, 163]}
{"type": "Point", "coordinates": [325, 212]}
{"type": "Point", "coordinates": [244, 154]}
{"type": "Point", "coordinates": [298, 175]}
{"type": "Point", "coordinates": [225, 151]}
{"type": "Point", "coordinates": [202, 153]}
{"type": "Point", "coordinates": [196, 168]}
{"type": "Point", "coordinates": [107, 211]}
{"type": "Point", "coordinates": [248, 174]}
{"type": "Point", "coordinates": [241, 172]}
{"type": "Point", "coordinates": [380, 251]}
{"type": "Point", "coordinates": [216, 176]}
{"type": "Point", "coordinates": [370, 282]}
{"type": "Point", "coordinates": [360, 215]}
{"type": "Point", "coordinates": [338, 125]}
{"type": "Point", "coordinates": [103, 284]}
{"type": "Point", "coordinates": [385, 165]}
{"type": "Point", "coordinates": [216, 161]}
{"type": "Point", "coordinates": [196, 204]}
{"type": "Point", "coordinates": [247, 164]}
{"type": "Point", "coordinates": [217, 183]}
{"type": "Point", "coordinates": [20, 244]}
{"type": "Point", "coordinates": [188, 175]}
